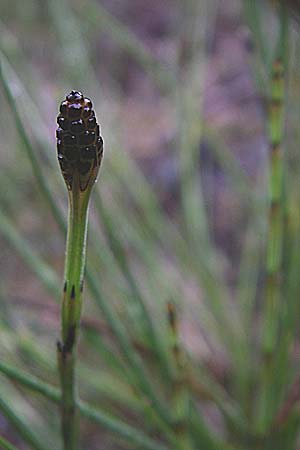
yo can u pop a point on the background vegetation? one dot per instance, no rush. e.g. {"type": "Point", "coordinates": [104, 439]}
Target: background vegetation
{"type": "Point", "coordinates": [189, 336]}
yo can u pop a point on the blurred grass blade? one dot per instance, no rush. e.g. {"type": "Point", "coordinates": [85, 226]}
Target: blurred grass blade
{"type": "Point", "coordinates": [181, 401]}
{"type": "Point", "coordinates": [5, 445]}
{"type": "Point", "coordinates": [132, 357]}
{"type": "Point", "coordinates": [203, 437]}
{"type": "Point", "coordinates": [253, 11]}
{"type": "Point", "coordinates": [73, 49]}
{"type": "Point", "coordinates": [50, 280]}
{"type": "Point", "coordinates": [101, 18]}
{"type": "Point", "coordinates": [42, 131]}
{"type": "Point", "coordinates": [44, 273]}
{"type": "Point", "coordinates": [20, 426]}
{"type": "Point", "coordinates": [189, 136]}
{"type": "Point", "coordinates": [229, 164]}
{"type": "Point", "coordinates": [124, 264]}
{"type": "Point", "coordinates": [6, 77]}
{"type": "Point", "coordinates": [115, 425]}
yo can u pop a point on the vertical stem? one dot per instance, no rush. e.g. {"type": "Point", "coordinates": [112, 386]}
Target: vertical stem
{"type": "Point", "coordinates": [275, 219]}
{"type": "Point", "coordinates": [69, 414]}
{"type": "Point", "coordinates": [270, 394]}
{"type": "Point", "coordinates": [71, 311]}
{"type": "Point", "coordinates": [180, 393]}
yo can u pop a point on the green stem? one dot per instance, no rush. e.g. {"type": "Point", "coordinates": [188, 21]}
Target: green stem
{"type": "Point", "coordinates": [75, 259]}
{"type": "Point", "coordinates": [71, 310]}
{"type": "Point", "coordinates": [275, 220]}
{"type": "Point", "coordinates": [272, 338]}
{"type": "Point", "coordinates": [180, 390]}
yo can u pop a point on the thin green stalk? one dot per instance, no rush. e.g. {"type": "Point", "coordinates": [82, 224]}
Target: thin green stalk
{"type": "Point", "coordinates": [75, 259]}
{"type": "Point", "coordinates": [275, 220]}
{"type": "Point", "coordinates": [113, 424]}
{"type": "Point", "coordinates": [274, 250]}
{"type": "Point", "coordinates": [71, 311]}
{"type": "Point", "coordinates": [180, 390]}
{"type": "Point", "coordinates": [290, 318]}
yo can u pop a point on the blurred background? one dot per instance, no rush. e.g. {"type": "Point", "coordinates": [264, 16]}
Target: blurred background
{"type": "Point", "coordinates": [174, 313]}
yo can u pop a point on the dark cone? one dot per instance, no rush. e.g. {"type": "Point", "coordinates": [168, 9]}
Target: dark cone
{"type": "Point", "coordinates": [79, 144]}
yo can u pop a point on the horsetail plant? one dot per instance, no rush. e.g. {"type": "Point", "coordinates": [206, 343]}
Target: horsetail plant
{"type": "Point", "coordinates": [181, 395]}
{"type": "Point", "coordinates": [79, 151]}
{"type": "Point", "coordinates": [275, 134]}
{"type": "Point", "coordinates": [275, 233]}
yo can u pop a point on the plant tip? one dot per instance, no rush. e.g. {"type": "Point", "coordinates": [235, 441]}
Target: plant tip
{"type": "Point", "coordinates": [79, 143]}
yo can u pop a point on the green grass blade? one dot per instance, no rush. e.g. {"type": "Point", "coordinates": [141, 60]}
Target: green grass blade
{"type": "Point", "coordinates": [5, 75]}
{"type": "Point", "coordinates": [131, 356]}
{"type": "Point", "coordinates": [122, 260]}
{"type": "Point", "coordinates": [44, 272]}
{"type": "Point", "coordinates": [114, 425]}
{"type": "Point", "coordinates": [5, 445]}
{"type": "Point", "coordinates": [101, 18]}
{"type": "Point", "coordinates": [271, 337]}
{"type": "Point", "coordinates": [253, 12]}
{"type": "Point", "coordinates": [20, 426]}
{"type": "Point", "coordinates": [74, 53]}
